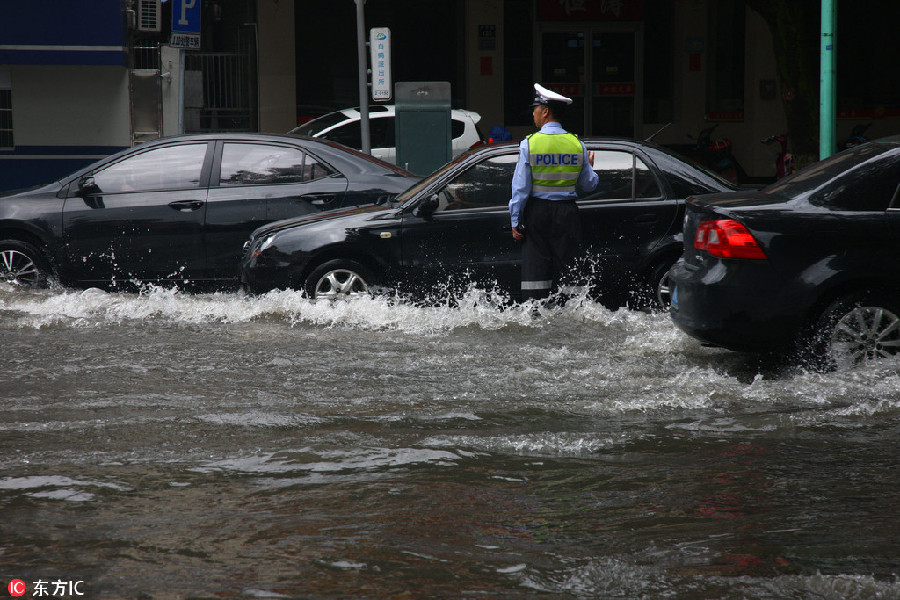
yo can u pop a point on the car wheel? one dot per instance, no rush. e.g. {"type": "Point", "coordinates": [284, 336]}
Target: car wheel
{"type": "Point", "coordinates": [22, 264]}
{"type": "Point", "coordinates": [855, 330]}
{"type": "Point", "coordinates": [663, 290]}
{"type": "Point", "coordinates": [658, 292]}
{"type": "Point", "coordinates": [338, 279]}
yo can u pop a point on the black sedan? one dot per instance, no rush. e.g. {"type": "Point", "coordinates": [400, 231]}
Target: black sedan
{"type": "Point", "coordinates": [454, 228]}
{"type": "Point", "coordinates": [179, 209]}
{"type": "Point", "coordinates": [807, 265]}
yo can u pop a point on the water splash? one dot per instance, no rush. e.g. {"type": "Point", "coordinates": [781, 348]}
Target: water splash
{"type": "Point", "coordinates": [474, 307]}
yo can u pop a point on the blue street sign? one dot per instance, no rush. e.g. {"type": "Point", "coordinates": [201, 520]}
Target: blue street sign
{"type": "Point", "coordinates": [186, 23]}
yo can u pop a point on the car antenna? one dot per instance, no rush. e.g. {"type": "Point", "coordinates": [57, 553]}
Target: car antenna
{"type": "Point", "coordinates": [658, 131]}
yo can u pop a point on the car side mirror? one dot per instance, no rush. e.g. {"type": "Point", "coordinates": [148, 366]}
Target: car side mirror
{"type": "Point", "coordinates": [87, 187]}
{"type": "Point", "coordinates": [427, 207]}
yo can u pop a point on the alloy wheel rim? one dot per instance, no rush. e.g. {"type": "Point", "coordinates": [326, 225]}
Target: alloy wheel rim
{"type": "Point", "coordinates": [17, 267]}
{"type": "Point", "coordinates": [664, 291]}
{"type": "Point", "coordinates": [341, 283]}
{"type": "Point", "coordinates": [865, 334]}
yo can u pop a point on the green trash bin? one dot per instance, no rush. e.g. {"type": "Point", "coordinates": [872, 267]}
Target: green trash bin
{"type": "Point", "coordinates": [422, 126]}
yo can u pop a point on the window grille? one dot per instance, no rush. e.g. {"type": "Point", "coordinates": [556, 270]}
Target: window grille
{"type": "Point", "coordinates": [6, 125]}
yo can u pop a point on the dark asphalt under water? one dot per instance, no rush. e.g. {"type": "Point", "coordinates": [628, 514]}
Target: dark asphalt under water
{"type": "Point", "coordinates": [165, 445]}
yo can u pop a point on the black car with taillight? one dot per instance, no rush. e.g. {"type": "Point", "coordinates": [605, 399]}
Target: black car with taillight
{"type": "Point", "coordinates": [807, 265]}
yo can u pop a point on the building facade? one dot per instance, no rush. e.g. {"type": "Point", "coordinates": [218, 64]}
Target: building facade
{"type": "Point", "coordinates": [635, 68]}
{"type": "Point", "coordinates": [81, 79]}
{"type": "Point", "coordinates": [63, 89]}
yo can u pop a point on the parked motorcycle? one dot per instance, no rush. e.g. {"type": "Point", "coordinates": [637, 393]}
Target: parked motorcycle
{"type": "Point", "coordinates": [784, 162]}
{"type": "Point", "coordinates": [856, 137]}
{"type": "Point", "coordinates": [717, 155]}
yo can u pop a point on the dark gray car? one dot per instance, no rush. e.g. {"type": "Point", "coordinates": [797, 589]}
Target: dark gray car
{"type": "Point", "coordinates": [179, 209]}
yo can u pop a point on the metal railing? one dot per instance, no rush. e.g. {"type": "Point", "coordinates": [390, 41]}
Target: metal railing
{"type": "Point", "coordinates": [219, 92]}
{"type": "Point", "coordinates": [145, 55]}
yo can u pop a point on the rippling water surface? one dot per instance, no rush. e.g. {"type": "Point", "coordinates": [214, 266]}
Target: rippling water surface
{"type": "Point", "coordinates": [165, 445]}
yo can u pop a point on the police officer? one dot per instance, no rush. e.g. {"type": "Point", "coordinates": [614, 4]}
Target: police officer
{"type": "Point", "coordinates": [553, 167]}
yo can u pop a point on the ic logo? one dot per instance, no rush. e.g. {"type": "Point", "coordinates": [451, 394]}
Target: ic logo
{"type": "Point", "coordinates": [16, 588]}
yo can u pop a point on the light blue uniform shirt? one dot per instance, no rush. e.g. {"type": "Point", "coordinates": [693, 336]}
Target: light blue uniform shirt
{"type": "Point", "coordinates": [521, 181]}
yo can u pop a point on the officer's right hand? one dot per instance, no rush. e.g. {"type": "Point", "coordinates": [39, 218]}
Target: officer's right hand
{"type": "Point", "coordinates": [517, 235]}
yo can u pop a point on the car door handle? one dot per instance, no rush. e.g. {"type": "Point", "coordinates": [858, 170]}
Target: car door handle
{"type": "Point", "coordinates": [319, 199]}
{"type": "Point", "coordinates": [187, 205]}
{"type": "Point", "coordinates": [646, 219]}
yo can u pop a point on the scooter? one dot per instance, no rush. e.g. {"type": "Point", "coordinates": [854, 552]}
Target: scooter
{"type": "Point", "coordinates": [784, 162]}
{"type": "Point", "coordinates": [856, 137]}
{"type": "Point", "coordinates": [717, 155]}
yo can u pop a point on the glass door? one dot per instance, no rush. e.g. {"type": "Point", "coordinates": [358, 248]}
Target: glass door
{"type": "Point", "coordinates": [599, 68]}
{"type": "Point", "coordinates": [562, 70]}
{"type": "Point", "coordinates": [613, 84]}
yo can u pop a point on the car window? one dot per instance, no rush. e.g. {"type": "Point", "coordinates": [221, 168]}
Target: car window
{"type": "Point", "coordinates": [617, 172]}
{"type": "Point", "coordinates": [381, 132]}
{"type": "Point", "coordinates": [895, 201]}
{"type": "Point", "coordinates": [458, 128]}
{"type": "Point", "coordinates": [257, 164]}
{"type": "Point", "coordinates": [409, 196]}
{"type": "Point", "coordinates": [485, 184]}
{"type": "Point", "coordinates": [314, 169]}
{"type": "Point", "coordinates": [311, 128]}
{"type": "Point", "coordinates": [858, 179]}
{"type": "Point", "coordinates": [687, 177]}
{"type": "Point", "coordinates": [349, 134]}
{"type": "Point", "coordinates": [645, 183]}
{"type": "Point", "coordinates": [869, 186]}
{"type": "Point", "coordinates": [166, 168]}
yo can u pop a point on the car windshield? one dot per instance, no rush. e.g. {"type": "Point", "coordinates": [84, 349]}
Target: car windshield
{"type": "Point", "coordinates": [315, 126]}
{"type": "Point", "coordinates": [815, 177]}
{"type": "Point", "coordinates": [698, 166]}
{"type": "Point", "coordinates": [412, 192]}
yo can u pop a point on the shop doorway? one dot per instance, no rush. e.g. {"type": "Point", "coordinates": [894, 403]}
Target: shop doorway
{"type": "Point", "coordinates": [599, 67]}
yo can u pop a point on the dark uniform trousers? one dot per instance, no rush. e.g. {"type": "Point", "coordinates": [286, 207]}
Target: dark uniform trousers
{"type": "Point", "coordinates": [552, 239]}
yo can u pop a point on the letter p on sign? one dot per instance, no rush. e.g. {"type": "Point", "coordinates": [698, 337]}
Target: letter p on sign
{"type": "Point", "coordinates": [186, 5]}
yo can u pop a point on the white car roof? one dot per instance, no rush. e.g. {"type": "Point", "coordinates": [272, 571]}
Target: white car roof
{"type": "Point", "coordinates": [389, 110]}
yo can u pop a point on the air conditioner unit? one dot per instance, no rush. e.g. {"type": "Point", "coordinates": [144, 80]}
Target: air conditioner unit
{"type": "Point", "coordinates": [149, 15]}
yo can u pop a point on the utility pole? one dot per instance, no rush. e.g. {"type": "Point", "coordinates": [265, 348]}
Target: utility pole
{"type": "Point", "coordinates": [363, 77]}
{"type": "Point", "coordinates": [827, 83]}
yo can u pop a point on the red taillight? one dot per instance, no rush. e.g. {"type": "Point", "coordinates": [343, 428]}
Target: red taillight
{"type": "Point", "coordinates": [727, 239]}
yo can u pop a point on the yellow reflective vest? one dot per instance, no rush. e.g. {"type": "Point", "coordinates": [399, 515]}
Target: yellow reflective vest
{"type": "Point", "coordinates": [556, 161]}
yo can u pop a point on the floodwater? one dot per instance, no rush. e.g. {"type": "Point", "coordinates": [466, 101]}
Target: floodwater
{"type": "Point", "coordinates": [166, 445]}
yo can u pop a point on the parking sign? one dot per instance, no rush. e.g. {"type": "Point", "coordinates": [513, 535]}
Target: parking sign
{"type": "Point", "coordinates": [185, 24]}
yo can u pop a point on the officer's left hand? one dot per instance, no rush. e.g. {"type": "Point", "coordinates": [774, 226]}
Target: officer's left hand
{"type": "Point", "coordinates": [517, 235]}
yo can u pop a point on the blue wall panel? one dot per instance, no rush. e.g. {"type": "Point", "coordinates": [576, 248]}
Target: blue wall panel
{"type": "Point", "coordinates": [62, 32]}
{"type": "Point", "coordinates": [27, 166]}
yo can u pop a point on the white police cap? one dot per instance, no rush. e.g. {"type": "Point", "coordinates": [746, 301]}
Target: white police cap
{"type": "Point", "coordinates": [542, 96]}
